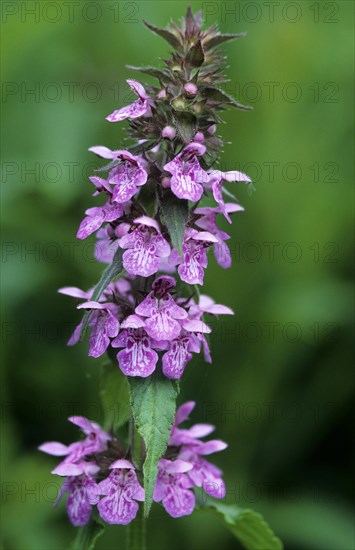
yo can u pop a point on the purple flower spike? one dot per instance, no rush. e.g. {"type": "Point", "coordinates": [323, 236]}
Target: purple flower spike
{"type": "Point", "coordinates": [105, 325]}
{"type": "Point", "coordinates": [144, 248]}
{"type": "Point", "coordinates": [215, 179]}
{"type": "Point", "coordinates": [138, 358]}
{"type": "Point", "coordinates": [194, 248]}
{"type": "Point", "coordinates": [187, 174]}
{"type": "Point", "coordinates": [162, 311]}
{"type": "Point", "coordinates": [121, 492]}
{"type": "Point", "coordinates": [140, 107]}
{"type": "Point", "coordinates": [127, 176]}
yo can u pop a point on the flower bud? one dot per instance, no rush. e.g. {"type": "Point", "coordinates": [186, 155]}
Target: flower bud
{"type": "Point", "coordinates": [179, 104]}
{"type": "Point", "coordinates": [168, 132]}
{"type": "Point", "coordinates": [212, 129]}
{"type": "Point", "coordinates": [198, 107]}
{"type": "Point", "coordinates": [190, 88]}
{"type": "Point", "coordinates": [165, 182]}
{"type": "Point", "coordinates": [199, 137]}
{"type": "Point", "coordinates": [162, 94]}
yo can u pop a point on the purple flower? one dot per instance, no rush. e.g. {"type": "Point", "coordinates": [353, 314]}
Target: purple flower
{"type": "Point", "coordinates": [144, 248]}
{"type": "Point", "coordinates": [95, 442]}
{"type": "Point", "coordinates": [192, 449]}
{"type": "Point", "coordinates": [98, 215]}
{"type": "Point", "coordinates": [121, 492]}
{"type": "Point", "coordinates": [187, 174]}
{"type": "Point", "coordinates": [203, 473]}
{"type": "Point", "coordinates": [179, 350]}
{"type": "Point", "coordinates": [172, 488]}
{"type": "Point", "coordinates": [178, 436]}
{"type": "Point", "coordinates": [164, 315]}
{"type": "Point", "coordinates": [137, 358]}
{"type": "Point", "coordinates": [140, 107]}
{"type": "Point", "coordinates": [207, 305]}
{"type": "Point", "coordinates": [127, 176]}
{"type": "Point", "coordinates": [194, 249]}
{"type": "Point", "coordinates": [207, 221]}
{"type": "Point", "coordinates": [104, 323]}
{"type": "Point", "coordinates": [75, 292]}
{"type": "Point", "coordinates": [108, 241]}
{"type": "Point", "coordinates": [215, 179]}
{"type": "Point", "coordinates": [83, 494]}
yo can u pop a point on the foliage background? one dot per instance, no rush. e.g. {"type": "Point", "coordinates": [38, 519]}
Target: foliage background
{"type": "Point", "coordinates": [291, 392]}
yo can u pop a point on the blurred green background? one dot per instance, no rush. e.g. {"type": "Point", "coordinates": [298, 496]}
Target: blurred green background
{"type": "Point", "coordinates": [279, 390]}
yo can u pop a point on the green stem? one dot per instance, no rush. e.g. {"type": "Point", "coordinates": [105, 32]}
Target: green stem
{"type": "Point", "coordinates": [136, 532]}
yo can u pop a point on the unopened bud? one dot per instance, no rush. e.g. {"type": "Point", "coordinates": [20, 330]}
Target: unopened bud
{"type": "Point", "coordinates": [212, 129]}
{"type": "Point", "coordinates": [168, 132]}
{"type": "Point", "coordinates": [199, 137]}
{"type": "Point", "coordinates": [179, 104]}
{"type": "Point", "coordinates": [162, 94]}
{"type": "Point", "coordinates": [190, 88]}
{"type": "Point", "coordinates": [165, 182]}
{"type": "Point", "coordinates": [198, 107]}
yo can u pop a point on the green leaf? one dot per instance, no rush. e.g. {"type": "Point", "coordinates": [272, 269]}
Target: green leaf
{"type": "Point", "coordinates": [195, 56]}
{"type": "Point", "coordinates": [164, 33]}
{"type": "Point", "coordinates": [87, 536]}
{"type": "Point", "coordinates": [217, 96]}
{"type": "Point", "coordinates": [220, 39]}
{"type": "Point", "coordinates": [248, 527]}
{"type": "Point", "coordinates": [114, 396]}
{"type": "Point", "coordinates": [186, 125]}
{"type": "Point", "coordinates": [108, 275]}
{"type": "Point", "coordinates": [174, 213]}
{"type": "Point", "coordinates": [151, 71]}
{"type": "Point", "coordinates": [153, 402]}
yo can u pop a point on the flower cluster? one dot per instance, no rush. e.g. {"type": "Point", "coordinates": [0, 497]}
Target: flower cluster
{"type": "Point", "coordinates": [156, 222]}
{"type": "Point", "coordinates": [98, 472]}
{"type": "Point", "coordinates": [159, 323]}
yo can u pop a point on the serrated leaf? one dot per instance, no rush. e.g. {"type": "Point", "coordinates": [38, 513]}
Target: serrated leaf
{"type": "Point", "coordinates": [87, 536]}
{"type": "Point", "coordinates": [114, 269]}
{"type": "Point", "coordinates": [151, 71]}
{"type": "Point", "coordinates": [175, 214]}
{"type": "Point", "coordinates": [248, 527]}
{"type": "Point", "coordinates": [164, 33]}
{"type": "Point", "coordinates": [114, 395]}
{"type": "Point", "coordinates": [220, 39]}
{"type": "Point", "coordinates": [217, 96]}
{"type": "Point", "coordinates": [195, 56]}
{"type": "Point", "coordinates": [153, 402]}
{"type": "Point", "coordinates": [186, 125]}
